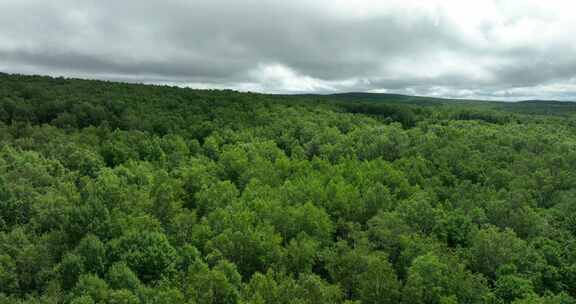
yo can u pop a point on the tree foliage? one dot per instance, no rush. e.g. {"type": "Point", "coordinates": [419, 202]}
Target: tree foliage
{"type": "Point", "coordinates": [124, 193]}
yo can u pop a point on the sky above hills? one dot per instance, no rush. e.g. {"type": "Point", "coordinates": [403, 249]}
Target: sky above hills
{"type": "Point", "coordinates": [490, 49]}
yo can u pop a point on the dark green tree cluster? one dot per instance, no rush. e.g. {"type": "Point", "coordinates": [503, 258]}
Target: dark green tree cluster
{"type": "Point", "coordinates": [123, 193]}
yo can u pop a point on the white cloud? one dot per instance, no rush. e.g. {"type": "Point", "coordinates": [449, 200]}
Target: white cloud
{"type": "Point", "coordinates": [438, 47]}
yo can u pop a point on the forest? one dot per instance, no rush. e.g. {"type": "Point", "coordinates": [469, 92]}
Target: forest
{"type": "Point", "coordinates": [128, 193]}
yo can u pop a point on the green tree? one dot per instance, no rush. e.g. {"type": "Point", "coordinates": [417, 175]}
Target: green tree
{"type": "Point", "coordinates": [149, 254]}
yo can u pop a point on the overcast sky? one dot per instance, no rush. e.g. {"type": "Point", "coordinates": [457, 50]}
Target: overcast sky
{"type": "Point", "coordinates": [491, 49]}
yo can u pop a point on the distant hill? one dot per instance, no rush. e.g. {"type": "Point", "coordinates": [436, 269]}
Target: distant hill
{"type": "Point", "coordinates": [358, 96]}
{"type": "Point", "coordinates": [531, 107]}
{"type": "Point", "coordinates": [541, 107]}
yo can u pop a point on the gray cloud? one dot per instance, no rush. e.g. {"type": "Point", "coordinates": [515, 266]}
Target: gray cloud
{"type": "Point", "coordinates": [511, 50]}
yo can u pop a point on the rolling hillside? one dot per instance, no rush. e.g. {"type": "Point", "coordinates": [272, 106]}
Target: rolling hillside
{"type": "Point", "coordinates": [127, 193]}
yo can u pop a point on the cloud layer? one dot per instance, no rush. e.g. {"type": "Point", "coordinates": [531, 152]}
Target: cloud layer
{"type": "Point", "coordinates": [493, 49]}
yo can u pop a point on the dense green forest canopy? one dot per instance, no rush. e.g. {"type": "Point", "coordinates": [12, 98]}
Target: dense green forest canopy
{"type": "Point", "coordinates": [125, 193]}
